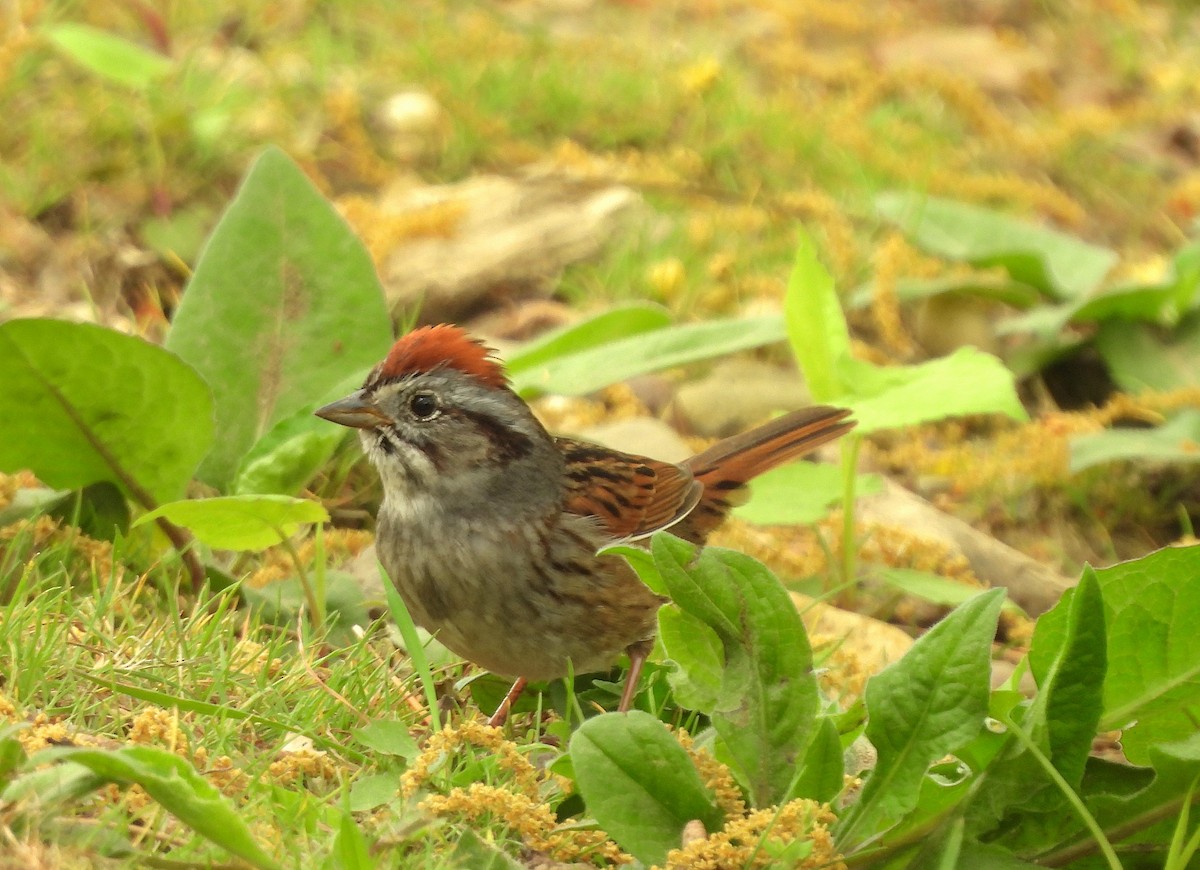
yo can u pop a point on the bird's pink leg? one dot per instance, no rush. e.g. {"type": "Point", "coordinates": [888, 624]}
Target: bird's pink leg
{"type": "Point", "coordinates": [501, 715]}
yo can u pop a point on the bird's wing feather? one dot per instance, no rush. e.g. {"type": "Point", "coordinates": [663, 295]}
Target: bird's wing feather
{"type": "Point", "coordinates": [632, 496]}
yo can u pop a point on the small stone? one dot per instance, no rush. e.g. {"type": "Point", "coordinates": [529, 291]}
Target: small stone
{"type": "Point", "coordinates": [736, 395]}
{"type": "Point", "coordinates": [644, 436]}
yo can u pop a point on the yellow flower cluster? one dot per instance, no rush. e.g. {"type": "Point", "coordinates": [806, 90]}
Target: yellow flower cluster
{"type": "Point", "coordinates": [383, 231]}
{"type": "Point", "coordinates": [45, 531]}
{"type": "Point", "coordinates": [277, 563]}
{"type": "Point", "coordinates": [519, 805]}
{"type": "Point", "coordinates": [754, 840]}
{"type": "Point", "coordinates": [715, 776]}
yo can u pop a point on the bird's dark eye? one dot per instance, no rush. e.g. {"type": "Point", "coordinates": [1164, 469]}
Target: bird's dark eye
{"type": "Point", "coordinates": [424, 405]}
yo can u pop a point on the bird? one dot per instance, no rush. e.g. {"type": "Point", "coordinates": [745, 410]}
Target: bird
{"type": "Point", "coordinates": [492, 530]}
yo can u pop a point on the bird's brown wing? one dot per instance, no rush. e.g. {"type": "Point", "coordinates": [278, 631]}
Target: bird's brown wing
{"type": "Point", "coordinates": [631, 496]}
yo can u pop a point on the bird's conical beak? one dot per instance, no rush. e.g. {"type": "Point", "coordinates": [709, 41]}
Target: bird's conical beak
{"type": "Point", "coordinates": [356, 411]}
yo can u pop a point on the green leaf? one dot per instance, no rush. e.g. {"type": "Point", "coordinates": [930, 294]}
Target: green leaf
{"type": "Point", "coordinates": [923, 707]}
{"type": "Point", "coordinates": [284, 305]}
{"type": "Point", "coordinates": [798, 493]}
{"type": "Point", "coordinates": [83, 404]}
{"type": "Point", "coordinates": [639, 784]}
{"type": "Point", "coordinates": [1143, 358]}
{"type": "Point", "coordinates": [608, 326]}
{"type": "Point", "coordinates": [766, 703]}
{"type": "Point", "coordinates": [48, 786]}
{"type": "Point", "coordinates": [374, 790]}
{"type": "Point", "coordinates": [182, 791]}
{"type": "Point", "coordinates": [12, 754]}
{"type": "Point", "coordinates": [968, 381]}
{"type": "Point", "coordinates": [109, 56]}
{"type": "Point", "coordinates": [350, 848]}
{"type": "Point", "coordinates": [241, 522]}
{"type": "Point", "coordinates": [615, 361]}
{"type": "Point", "coordinates": [822, 774]}
{"type": "Point", "coordinates": [816, 327]}
{"type": "Point", "coordinates": [1176, 766]}
{"type": "Point", "coordinates": [1068, 661]}
{"type": "Point", "coordinates": [1150, 606]}
{"type": "Point", "coordinates": [388, 737]}
{"type": "Point", "coordinates": [290, 465]}
{"type": "Point", "coordinates": [699, 655]}
{"type": "Point", "coordinates": [1060, 265]}
{"type": "Point", "coordinates": [1069, 671]}
{"type": "Point", "coordinates": [935, 588]}
{"type": "Point", "coordinates": [1162, 302]}
{"type": "Point", "coordinates": [287, 456]}
{"type": "Point", "coordinates": [1177, 440]}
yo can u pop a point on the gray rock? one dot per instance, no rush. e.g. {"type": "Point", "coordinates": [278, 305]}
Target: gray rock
{"type": "Point", "coordinates": [736, 395]}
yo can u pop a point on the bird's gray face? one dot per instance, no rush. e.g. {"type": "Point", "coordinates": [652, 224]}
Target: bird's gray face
{"type": "Point", "coordinates": [444, 429]}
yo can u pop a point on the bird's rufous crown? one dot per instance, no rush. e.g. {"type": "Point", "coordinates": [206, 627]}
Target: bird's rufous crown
{"type": "Point", "coordinates": [442, 346]}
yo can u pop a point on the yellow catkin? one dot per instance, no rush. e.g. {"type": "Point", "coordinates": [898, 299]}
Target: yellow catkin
{"type": "Point", "coordinates": [741, 842]}
{"type": "Point", "coordinates": [303, 763]}
{"type": "Point", "coordinates": [155, 726]}
{"type": "Point", "coordinates": [715, 776]}
{"type": "Point", "coordinates": [518, 804]}
{"type": "Point", "coordinates": [890, 260]}
{"type": "Point", "coordinates": [46, 531]}
{"type": "Point", "coordinates": [383, 231]}
{"type": "Point", "coordinates": [278, 563]}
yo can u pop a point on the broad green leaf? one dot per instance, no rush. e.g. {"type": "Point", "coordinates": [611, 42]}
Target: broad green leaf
{"type": "Point", "coordinates": [639, 784]}
{"type": "Point", "coordinates": [241, 522]}
{"type": "Point", "coordinates": [350, 848]}
{"type": "Point", "coordinates": [182, 791]}
{"type": "Point", "coordinates": [816, 327]}
{"type": "Point", "coordinates": [801, 492]}
{"type": "Point", "coordinates": [1060, 265]}
{"type": "Point", "coordinates": [12, 755]}
{"type": "Point", "coordinates": [1143, 358]}
{"type": "Point", "coordinates": [968, 381]}
{"type": "Point", "coordinates": [373, 790]}
{"type": "Point", "coordinates": [290, 465]}
{"type": "Point", "coordinates": [83, 404]}
{"type": "Point", "coordinates": [596, 367]}
{"type": "Point", "coordinates": [1068, 662]}
{"type": "Point", "coordinates": [48, 785]}
{"type": "Point", "coordinates": [923, 707]}
{"type": "Point", "coordinates": [1070, 669]}
{"type": "Point", "coordinates": [287, 456]}
{"type": "Point", "coordinates": [284, 305]}
{"type": "Point", "coordinates": [388, 737]}
{"type": "Point", "coordinates": [1177, 440]}
{"type": "Point", "coordinates": [698, 654]}
{"type": "Point", "coordinates": [1176, 766]}
{"type": "Point", "coordinates": [109, 56]}
{"type": "Point", "coordinates": [594, 332]}
{"type": "Point", "coordinates": [1163, 302]}
{"type": "Point", "coordinates": [1151, 609]}
{"type": "Point", "coordinates": [766, 704]}
{"type": "Point", "coordinates": [935, 588]}
{"type": "Point", "coordinates": [822, 774]}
